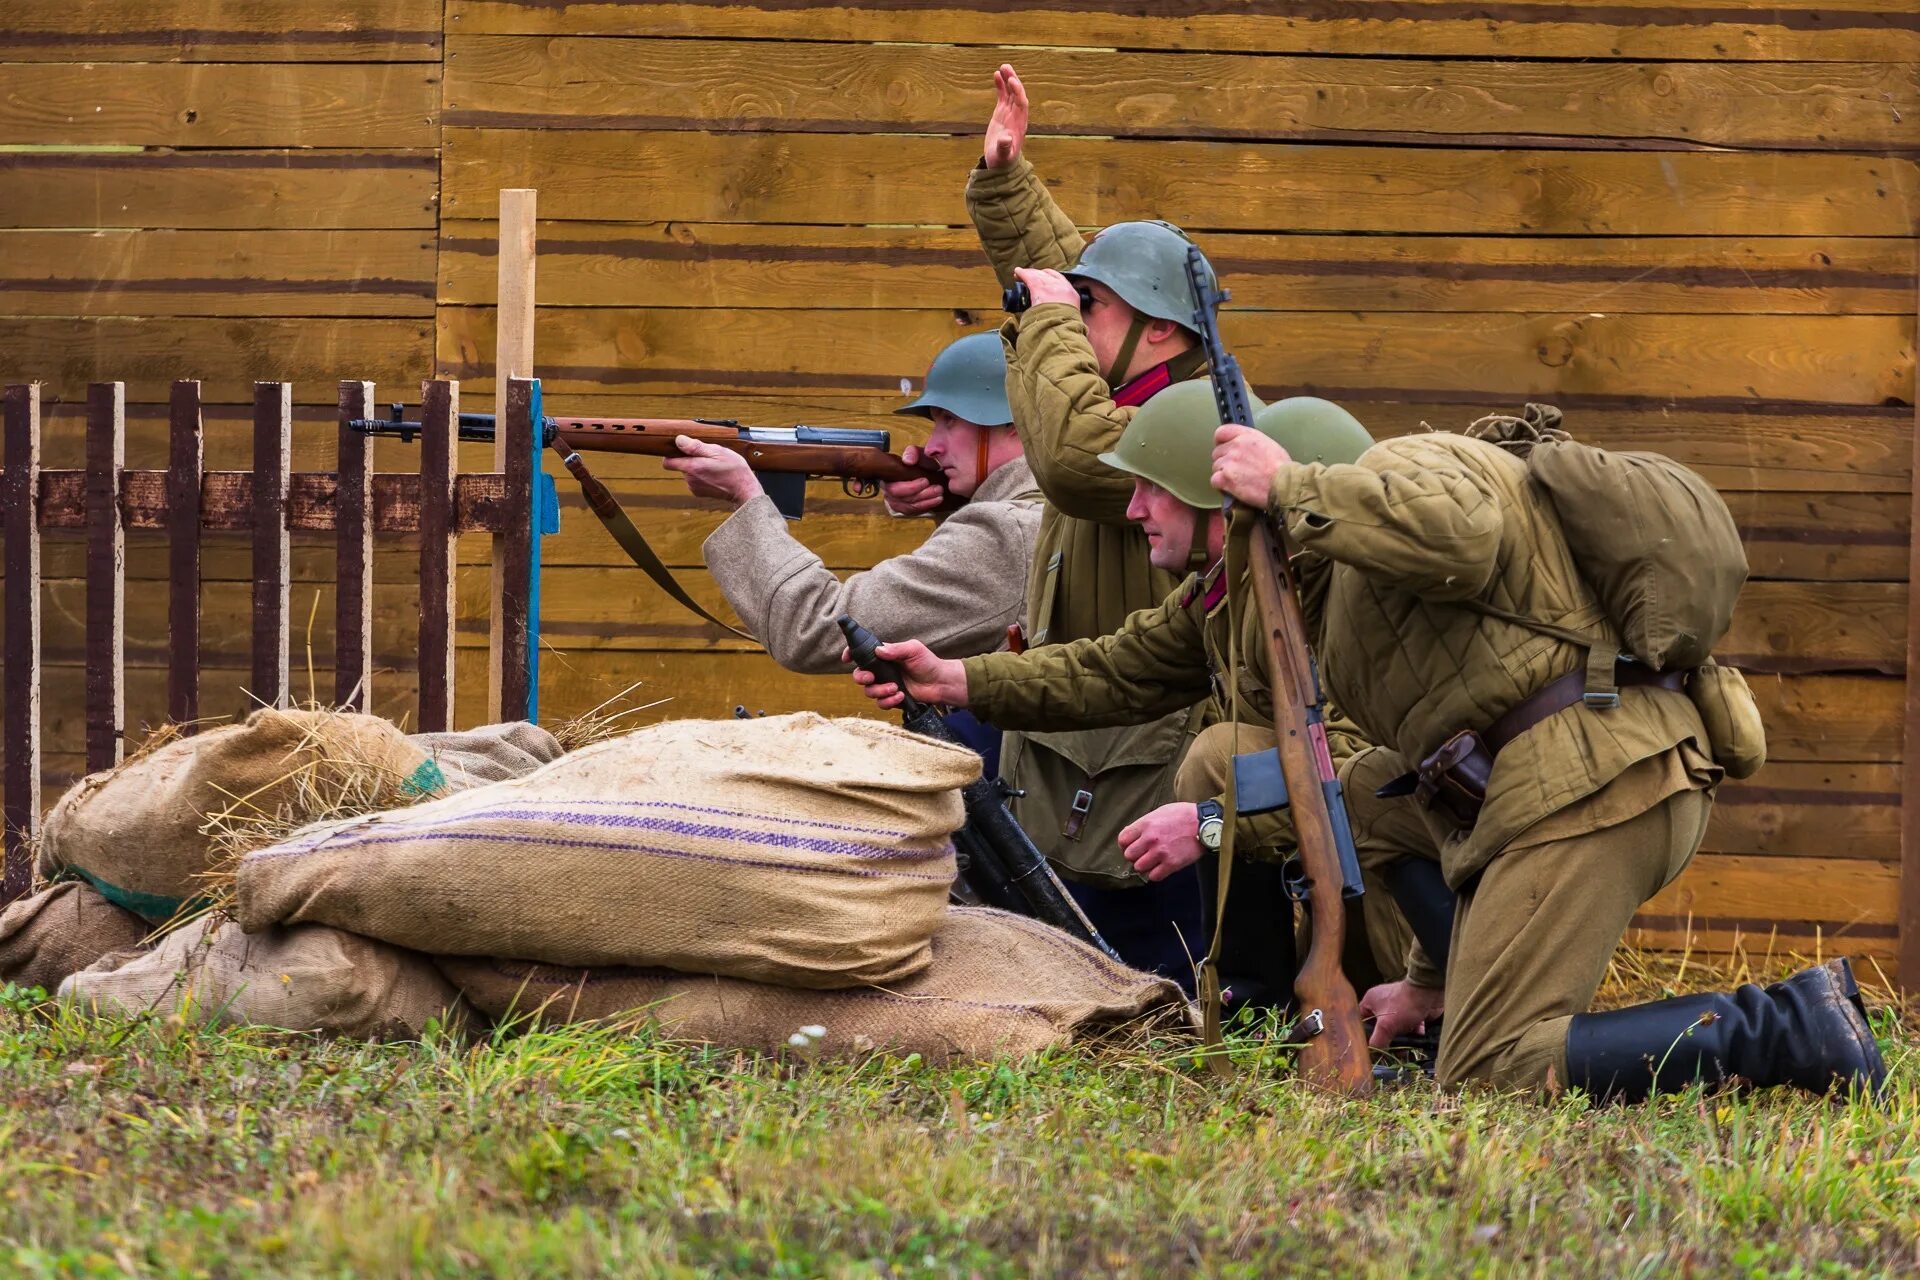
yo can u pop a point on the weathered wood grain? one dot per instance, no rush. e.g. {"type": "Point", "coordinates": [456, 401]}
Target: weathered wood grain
{"type": "Point", "coordinates": [1818, 626]}
{"type": "Point", "coordinates": [171, 104]}
{"type": "Point", "coordinates": [271, 627]}
{"type": "Point", "coordinates": [1573, 360]}
{"type": "Point", "coordinates": [106, 608]}
{"type": "Point", "coordinates": [1871, 32]}
{"type": "Point", "coordinates": [149, 354]}
{"type": "Point", "coordinates": [216, 273]}
{"type": "Point", "coordinates": [20, 681]}
{"type": "Point", "coordinates": [228, 190]}
{"type": "Point", "coordinates": [602, 82]}
{"type": "Point", "coordinates": [603, 175]}
{"type": "Point", "coordinates": [1770, 947]}
{"type": "Point", "coordinates": [1810, 810]}
{"type": "Point", "coordinates": [353, 566]}
{"type": "Point", "coordinates": [657, 264]}
{"type": "Point", "coordinates": [184, 469]}
{"type": "Point", "coordinates": [234, 30]}
{"type": "Point", "coordinates": [312, 501]}
{"type": "Point", "coordinates": [1830, 537]}
{"type": "Point", "coordinates": [1841, 719]}
{"type": "Point", "coordinates": [1856, 893]}
{"type": "Point", "coordinates": [439, 414]}
{"type": "Point", "coordinates": [514, 587]}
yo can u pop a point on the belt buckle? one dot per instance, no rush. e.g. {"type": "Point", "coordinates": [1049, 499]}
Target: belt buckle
{"type": "Point", "coordinates": [1077, 816]}
{"type": "Point", "coordinates": [1601, 700]}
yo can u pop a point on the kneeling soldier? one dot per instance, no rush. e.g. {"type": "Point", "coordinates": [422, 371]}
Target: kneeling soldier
{"type": "Point", "coordinates": [1171, 657]}
{"type": "Point", "coordinates": [1421, 566]}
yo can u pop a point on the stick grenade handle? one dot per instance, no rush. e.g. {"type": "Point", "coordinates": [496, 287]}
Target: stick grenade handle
{"type": "Point", "coordinates": [863, 649]}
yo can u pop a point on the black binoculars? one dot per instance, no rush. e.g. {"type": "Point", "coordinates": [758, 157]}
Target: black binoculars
{"type": "Point", "coordinates": [1016, 297]}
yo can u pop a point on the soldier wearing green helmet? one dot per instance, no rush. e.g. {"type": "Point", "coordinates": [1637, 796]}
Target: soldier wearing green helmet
{"type": "Point", "coordinates": [1075, 375]}
{"type": "Point", "coordinates": [963, 587]}
{"type": "Point", "coordinates": [1177, 658]}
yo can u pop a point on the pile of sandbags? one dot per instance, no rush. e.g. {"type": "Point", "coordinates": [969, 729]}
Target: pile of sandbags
{"type": "Point", "coordinates": [61, 930]}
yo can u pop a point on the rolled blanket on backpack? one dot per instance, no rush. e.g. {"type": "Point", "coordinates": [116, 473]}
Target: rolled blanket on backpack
{"type": "Point", "coordinates": [791, 849]}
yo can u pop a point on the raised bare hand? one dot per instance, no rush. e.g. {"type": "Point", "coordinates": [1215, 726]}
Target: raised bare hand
{"type": "Point", "coordinates": [1007, 130]}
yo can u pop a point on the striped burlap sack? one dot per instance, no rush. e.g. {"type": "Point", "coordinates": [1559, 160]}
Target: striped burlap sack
{"type": "Point", "coordinates": [142, 834]}
{"type": "Point", "coordinates": [792, 849]}
{"type": "Point", "coordinates": [61, 930]}
{"type": "Point", "coordinates": [999, 985]}
{"type": "Point", "coordinates": [304, 978]}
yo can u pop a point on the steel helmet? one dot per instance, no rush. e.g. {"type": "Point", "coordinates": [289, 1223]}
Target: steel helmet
{"type": "Point", "coordinates": [969, 380]}
{"type": "Point", "coordinates": [1314, 430]}
{"type": "Point", "coordinates": [1146, 264]}
{"type": "Point", "coordinates": [1170, 442]}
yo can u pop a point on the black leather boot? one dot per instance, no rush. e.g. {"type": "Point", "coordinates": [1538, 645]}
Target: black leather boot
{"type": "Point", "coordinates": [1809, 1031]}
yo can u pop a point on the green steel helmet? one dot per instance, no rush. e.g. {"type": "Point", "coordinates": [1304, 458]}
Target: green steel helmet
{"type": "Point", "coordinates": [1146, 264]}
{"type": "Point", "coordinates": [1314, 430]}
{"type": "Point", "coordinates": [969, 380]}
{"type": "Point", "coordinates": [1170, 442]}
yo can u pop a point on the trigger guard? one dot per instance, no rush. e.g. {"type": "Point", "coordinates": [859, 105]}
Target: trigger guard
{"type": "Point", "coordinates": [859, 487]}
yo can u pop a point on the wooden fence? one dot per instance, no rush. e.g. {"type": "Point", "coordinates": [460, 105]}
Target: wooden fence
{"type": "Point", "coordinates": [1692, 226]}
{"type": "Point", "coordinates": [354, 503]}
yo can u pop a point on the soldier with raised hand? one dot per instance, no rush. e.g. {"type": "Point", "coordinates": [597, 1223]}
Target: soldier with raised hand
{"type": "Point", "coordinates": [1178, 656]}
{"type": "Point", "coordinates": [1444, 599]}
{"type": "Point", "coordinates": [1075, 375]}
{"type": "Point", "coordinates": [963, 587]}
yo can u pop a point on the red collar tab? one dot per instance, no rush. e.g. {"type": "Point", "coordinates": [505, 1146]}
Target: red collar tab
{"type": "Point", "coordinates": [1209, 591]}
{"type": "Point", "coordinates": [1145, 387]}
{"type": "Point", "coordinates": [1216, 592]}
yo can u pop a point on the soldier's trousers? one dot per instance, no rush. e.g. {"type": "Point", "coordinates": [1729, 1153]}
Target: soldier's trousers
{"type": "Point", "coordinates": [1377, 934]}
{"type": "Point", "coordinates": [1533, 933]}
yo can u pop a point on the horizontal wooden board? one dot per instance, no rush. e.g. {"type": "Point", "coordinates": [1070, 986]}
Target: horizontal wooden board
{"type": "Point", "coordinates": [232, 190]}
{"type": "Point", "coordinates": [1870, 32]}
{"type": "Point", "coordinates": [311, 501]}
{"type": "Point", "coordinates": [227, 356]}
{"type": "Point", "coordinates": [1591, 359]}
{"type": "Point", "coordinates": [1810, 810]}
{"type": "Point", "coordinates": [1840, 719]}
{"type": "Point", "coordinates": [1830, 537]}
{"type": "Point", "coordinates": [1818, 626]}
{"type": "Point", "coordinates": [233, 30]}
{"type": "Point", "coordinates": [1774, 947]}
{"type": "Point", "coordinates": [228, 432]}
{"type": "Point", "coordinates": [172, 104]}
{"type": "Point", "coordinates": [606, 175]}
{"type": "Point", "coordinates": [1856, 894]}
{"type": "Point", "coordinates": [602, 82]}
{"type": "Point", "coordinates": [658, 264]}
{"type": "Point", "coordinates": [216, 273]}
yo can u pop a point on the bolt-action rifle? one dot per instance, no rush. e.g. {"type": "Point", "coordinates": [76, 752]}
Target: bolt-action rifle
{"type": "Point", "coordinates": [1298, 772]}
{"type": "Point", "coordinates": [999, 865]}
{"type": "Point", "coordinates": [782, 457]}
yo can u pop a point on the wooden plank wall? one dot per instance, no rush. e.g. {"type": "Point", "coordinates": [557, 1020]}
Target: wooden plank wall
{"type": "Point", "coordinates": [1689, 225]}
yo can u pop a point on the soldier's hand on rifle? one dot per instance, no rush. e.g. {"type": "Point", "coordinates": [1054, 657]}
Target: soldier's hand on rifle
{"type": "Point", "coordinates": [1048, 286]}
{"type": "Point", "coordinates": [1007, 130]}
{"type": "Point", "coordinates": [1400, 1008]}
{"type": "Point", "coordinates": [929, 678]}
{"type": "Point", "coordinates": [1244, 464]}
{"type": "Point", "coordinates": [713, 472]}
{"type": "Point", "coordinates": [915, 497]}
{"type": "Point", "coordinates": [1163, 841]}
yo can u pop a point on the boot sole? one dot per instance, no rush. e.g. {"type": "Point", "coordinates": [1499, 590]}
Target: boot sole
{"type": "Point", "coordinates": [1854, 1009]}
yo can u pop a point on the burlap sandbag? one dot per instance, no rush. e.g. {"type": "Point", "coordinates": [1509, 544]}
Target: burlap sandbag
{"type": "Point", "coordinates": [493, 753]}
{"type": "Point", "coordinates": [792, 849]}
{"type": "Point", "coordinates": [999, 985]}
{"type": "Point", "coordinates": [304, 978]}
{"type": "Point", "coordinates": [139, 833]}
{"type": "Point", "coordinates": [61, 930]}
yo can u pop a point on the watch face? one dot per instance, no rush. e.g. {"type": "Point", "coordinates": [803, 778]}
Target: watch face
{"type": "Point", "coordinates": [1210, 830]}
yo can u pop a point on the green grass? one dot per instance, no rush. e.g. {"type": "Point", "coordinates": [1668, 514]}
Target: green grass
{"type": "Point", "coordinates": [156, 1148]}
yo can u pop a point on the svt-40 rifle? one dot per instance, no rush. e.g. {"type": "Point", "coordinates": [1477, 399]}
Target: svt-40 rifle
{"type": "Point", "coordinates": [782, 457]}
{"type": "Point", "coordinates": [1299, 772]}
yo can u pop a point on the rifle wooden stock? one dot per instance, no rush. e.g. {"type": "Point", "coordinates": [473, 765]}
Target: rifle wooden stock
{"type": "Point", "coordinates": [655, 438]}
{"type": "Point", "coordinates": [1336, 1059]}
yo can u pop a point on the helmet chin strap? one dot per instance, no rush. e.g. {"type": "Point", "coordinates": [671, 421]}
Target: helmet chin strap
{"type": "Point", "coordinates": [1198, 561]}
{"type": "Point", "coordinates": [1122, 359]}
{"type": "Point", "coordinates": [980, 439]}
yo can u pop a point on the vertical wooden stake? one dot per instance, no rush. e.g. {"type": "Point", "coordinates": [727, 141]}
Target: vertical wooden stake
{"type": "Point", "coordinates": [185, 463]}
{"type": "Point", "coordinates": [439, 427]}
{"type": "Point", "coordinates": [512, 358]}
{"type": "Point", "coordinates": [106, 574]}
{"type": "Point", "coordinates": [1909, 917]}
{"type": "Point", "coordinates": [20, 725]}
{"type": "Point", "coordinates": [516, 559]}
{"type": "Point", "coordinates": [353, 556]}
{"type": "Point", "coordinates": [272, 549]}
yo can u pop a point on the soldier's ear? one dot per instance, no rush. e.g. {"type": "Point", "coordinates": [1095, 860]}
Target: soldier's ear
{"type": "Point", "coordinates": [1164, 331]}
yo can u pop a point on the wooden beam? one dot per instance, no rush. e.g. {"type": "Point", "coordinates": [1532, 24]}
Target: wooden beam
{"type": "Point", "coordinates": [1909, 918]}
{"type": "Point", "coordinates": [186, 455]}
{"type": "Point", "coordinates": [512, 358]}
{"type": "Point", "coordinates": [106, 574]}
{"type": "Point", "coordinates": [20, 722]}
{"type": "Point", "coordinates": [353, 563]}
{"type": "Point", "coordinates": [513, 661]}
{"type": "Point", "coordinates": [272, 550]}
{"type": "Point", "coordinates": [439, 412]}
{"type": "Point", "coordinates": [226, 501]}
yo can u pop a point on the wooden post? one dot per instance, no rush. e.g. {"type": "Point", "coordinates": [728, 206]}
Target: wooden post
{"type": "Point", "coordinates": [185, 463]}
{"type": "Point", "coordinates": [106, 574]}
{"type": "Point", "coordinates": [272, 549]}
{"type": "Point", "coordinates": [20, 726]}
{"type": "Point", "coordinates": [516, 559]}
{"type": "Point", "coordinates": [439, 428]}
{"type": "Point", "coordinates": [353, 555]}
{"type": "Point", "coordinates": [1909, 918]}
{"type": "Point", "coordinates": [512, 358]}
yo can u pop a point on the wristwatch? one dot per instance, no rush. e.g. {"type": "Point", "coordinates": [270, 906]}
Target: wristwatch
{"type": "Point", "coordinates": [1213, 824]}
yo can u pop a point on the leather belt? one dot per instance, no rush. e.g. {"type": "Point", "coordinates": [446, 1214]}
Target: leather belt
{"type": "Point", "coordinates": [1557, 695]}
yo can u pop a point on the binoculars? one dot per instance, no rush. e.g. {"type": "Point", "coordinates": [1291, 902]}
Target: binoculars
{"type": "Point", "coordinates": [1016, 297]}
